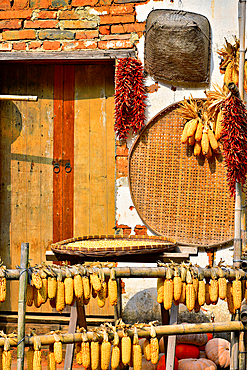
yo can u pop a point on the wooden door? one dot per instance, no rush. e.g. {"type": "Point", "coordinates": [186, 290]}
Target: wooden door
{"type": "Point", "coordinates": [71, 123]}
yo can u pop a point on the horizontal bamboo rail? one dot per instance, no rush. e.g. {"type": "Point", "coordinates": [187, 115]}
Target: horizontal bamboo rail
{"type": "Point", "coordinates": [18, 97]}
{"type": "Point", "coordinates": [227, 326]}
{"type": "Point", "coordinates": [137, 272]}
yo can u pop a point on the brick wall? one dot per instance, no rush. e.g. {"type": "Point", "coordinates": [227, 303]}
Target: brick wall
{"type": "Point", "coordinates": [68, 25]}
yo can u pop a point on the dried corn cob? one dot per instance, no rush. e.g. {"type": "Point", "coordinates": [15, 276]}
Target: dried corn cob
{"type": "Point", "coordinates": [199, 130]}
{"type": "Point", "coordinates": [190, 292]}
{"type": "Point", "coordinates": [36, 280]}
{"type": "Point", "coordinates": [154, 346]}
{"type": "Point", "coordinates": [229, 298]}
{"type": "Point", "coordinates": [147, 350]}
{"type": "Point", "coordinates": [168, 289]}
{"type": "Point", "coordinates": [205, 143]}
{"type": "Point", "coordinates": [112, 288]}
{"type": "Point", "coordinates": [212, 140]}
{"type": "Point", "coordinates": [60, 296]}
{"type": "Point", "coordinates": [237, 291]}
{"type": "Point", "coordinates": [94, 353]}
{"type": "Point", "coordinates": [52, 287]}
{"type": "Point", "coordinates": [30, 354]}
{"type": "Point", "coordinates": [192, 127]}
{"type": "Point", "coordinates": [86, 288]}
{"type": "Point", "coordinates": [218, 128]}
{"type": "Point", "coordinates": [78, 354]}
{"type": "Point", "coordinates": [58, 349]}
{"type": "Point", "coordinates": [68, 287]}
{"type": "Point", "coordinates": [78, 286]}
{"type": "Point", "coordinates": [2, 288]}
{"type": "Point", "coordinates": [184, 136]}
{"type": "Point", "coordinates": [37, 299]}
{"type": "Point", "coordinates": [105, 352]}
{"type": "Point", "coordinates": [160, 290]}
{"type": "Point", "coordinates": [85, 351]}
{"type": "Point", "coordinates": [37, 364]}
{"type": "Point", "coordinates": [222, 284]}
{"type": "Point", "coordinates": [95, 281]}
{"type": "Point", "coordinates": [191, 140]}
{"type": "Point", "coordinates": [43, 291]}
{"type": "Point", "coordinates": [51, 363]}
{"type": "Point", "coordinates": [102, 291]}
{"type": "Point", "coordinates": [177, 284]}
{"type": "Point", "coordinates": [137, 352]}
{"type": "Point", "coordinates": [197, 148]}
{"type": "Point", "coordinates": [195, 282]}
{"type": "Point", "coordinates": [183, 272]}
{"type": "Point", "coordinates": [201, 287]}
{"type": "Point", "coordinates": [125, 349]}
{"type": "Point", "coordinates": [214, 287]}
{"type": "Point", "coordinates": [29, 299]}
{"type": "Point", "coordinates": [6, 355]}
{"type": "Point", "coordinates": [115, 353]}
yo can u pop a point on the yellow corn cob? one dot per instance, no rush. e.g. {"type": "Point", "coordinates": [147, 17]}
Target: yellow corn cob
{"type": "Point", "coordinates": [30, 354]}
{"type": "Point", "coordinates": [196, 286]}
{"type": "Point", "coordinates": [207, 294]}
{"type": "Point", "coordinates": [95, 281]}
{"type": "Point", "coordinates": [126, 350]}
{"type": "Point", "coordinates": [199, 130]}
{"type": "Point", "coordinates": [78, 286]}
{"type": "Point", "coordinates": [222, 287]}
{"type": "Point", "coordinates": [234, 75]}
{"type": "Point", "coordinates": [78, 354]}
{"type": "Point", "coordinates": [112, 292]}
{"type": "Point", "coordinates": [209, 153]}
{"type": "Point", "coordinates": [115, 357]}
{"type": "Point", "coordinates": [1, 359]}
{"type": "Point", "coordinates": [228, 74]}
{"type": "Point", "coordinates": [105, 355]}
{"type": "Point", "coordinates": [37, 299]}
{"type": "Point", "coordinates": [229, 298]}
{"type": "Point", "coordinates": [37, 360]}
{"type": "Point", "coordinates": [183, 293]}
{"type": "Point", "coordinates": [86, 288]}
{"type": "Point", "coordinates": [184, 136]}
{"type": "Point", "coordinates": [43, 291]}
{"type": "Point", "coordinates": [36, 280]}
{"type": "Point", "coordinates": [160, 290]}
{"type": "Point", "coordinates": [197, 148]}
{"type": "Point", "coordinates": [85, 354]}
{"type": "Point", "coordinates": [177, 285]}
{"type": "Point", "coordinates": [237, 293]}
{"type": "Point", "coordinates": [102, 294]}
{"type": "Point", "coordinates": [6, 360]}
{"type": "Point", "coordinates": [147, 350]}
{"type": "Point", "coordinates": [219, 127]}
{"type": "Point", "coordinates": [191, 140]}
{"type": "Point", "coordinates": [58, 352]}
{"type": "Point", "coordinates": [205, 143]}
{"type": "Point", "coordinates": [94, 355]}
{"type": "Point", "coordinates": [52, 287]}
{"type": "Point", "coordinates": [51, 363]}
{"type": "Point", "coordinates": [168, 289]}
{"type": "Point", "coordinates": [213, 142]}
{"type": "Point", "coordinates": [29, 299]}
{"type": "Point", "coordinates": [69, 290]}
{"type": "Point", "coordinates": [60, 296]}
{"type": "Point", "coordinates": [2, 289]}
{"type": "Point", "coordinates": [214, 291]}
{"type": "Point", "coordinates": [190, 297]}
{"type": "Point", "coordinates": [154, 349]}
{"type": "Point", "coordinates": [137, 357]}
{"type": "Point", "coordinates": [192, 127]}
{"type": "Point", "coordinates": [201, 292]}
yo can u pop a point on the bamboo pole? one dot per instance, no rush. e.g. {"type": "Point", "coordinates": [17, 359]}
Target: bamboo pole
{"type": "Point", "coordinates": [138, 272]}
{"type": "Point", "coordinates": [22, 305]}
{"type": "Point", "coordinates": [18, 97]}
{"type": "Point", "coordinates": [227, 326]}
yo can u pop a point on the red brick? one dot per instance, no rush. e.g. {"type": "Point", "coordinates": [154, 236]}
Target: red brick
{"type": "Point", "coordinates": [5, 46]}
{"type": "Point", "coordinates": [102, 10]}
{"type": "Point", "coordinates": [34, 45]}
{"type": "Point", "coordinates": [122, 9]}
{"type": "Point", "coordinates": [51, 45]}
{"type": "Point", "coordinates": [115, 44]}
{"type": "Point", "coordinates": [20, 4]}
{"type": "Point", "coordinates": [126, 229]}
{"type": "Point", "coordinates": [110, 19]}
{"type": "Point", "coordinates": [41, 24]}
{"type": "Point", "coordinates": [19, 35]}
{"type": "Point", "coordinates": [105, 30]}
{"type": "Point", "coordinates": [10, 14]}
{"type": "Point", "coordinates": [19, 46]}
{"type": "Point", "coordinates": [79, 24]}
{"type": "Point", "coordinates": [86, 34]}
{"type": "Point", "coordinates": [84, 2]}
{"type": "Point", "coordinates": [4, 4]}
{"type": "Point", "coordinates": [68, 14]}
{"type": "Point", "coordinates": [128, 28]}
{"type": "Point", "coordinates": [115, 37]}
{"type": "Point", "coordinates": [79, 45]}
{"type": "Point", "coordinates": [13, 24]}
{"type": "Point", "coordinates": [40, 4]}
{"type": "Point", "coordinates": [121, 166]}
{"type": "Point", "coordinates": [46, 14]}
{"type": "Point", "coordinates": [140, 230]}
{"type": "Point", "coordinates": [122, 149]}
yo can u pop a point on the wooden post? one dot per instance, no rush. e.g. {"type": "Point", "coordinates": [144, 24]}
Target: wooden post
{"type": "Point", "coordinates": [22, 305]}
{"type": "Point", "coordinates": [68, 361]}
{"type": "Point", "coordinates": [234, 345]}
{"type": "Point", "coordinates": [171, 343]}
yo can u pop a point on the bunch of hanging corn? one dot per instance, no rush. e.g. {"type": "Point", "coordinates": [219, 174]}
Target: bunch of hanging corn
{"type": "Point", "coordinates": [229, 65]}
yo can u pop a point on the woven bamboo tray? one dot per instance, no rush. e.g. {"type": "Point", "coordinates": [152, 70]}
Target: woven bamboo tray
{"type": "Point", "coordinates": [112, 245]}
{"type": "Point", "coordinates": [176, 194]}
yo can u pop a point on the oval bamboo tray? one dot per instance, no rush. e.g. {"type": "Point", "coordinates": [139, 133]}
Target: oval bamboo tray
{"type": "Point", "coordinates": [112, 245]}
{"type": "Point", "coordinates": [176, 194]}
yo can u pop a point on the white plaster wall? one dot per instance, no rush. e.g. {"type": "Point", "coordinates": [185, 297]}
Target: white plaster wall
{"type": "Point", "coordinates": [223, 18]}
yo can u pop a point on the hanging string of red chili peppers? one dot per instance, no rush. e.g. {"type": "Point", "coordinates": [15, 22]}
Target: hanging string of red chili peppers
{"type": "Point", "coordinates": [234, 139]}
{"type": "Point", "coordinates": [130, 97]}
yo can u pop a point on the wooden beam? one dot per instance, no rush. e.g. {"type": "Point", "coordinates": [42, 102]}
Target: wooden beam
{"type": "Point", "coordinates": [18, 97]}
{"type": "Point", "coordinates": [67, 56]}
